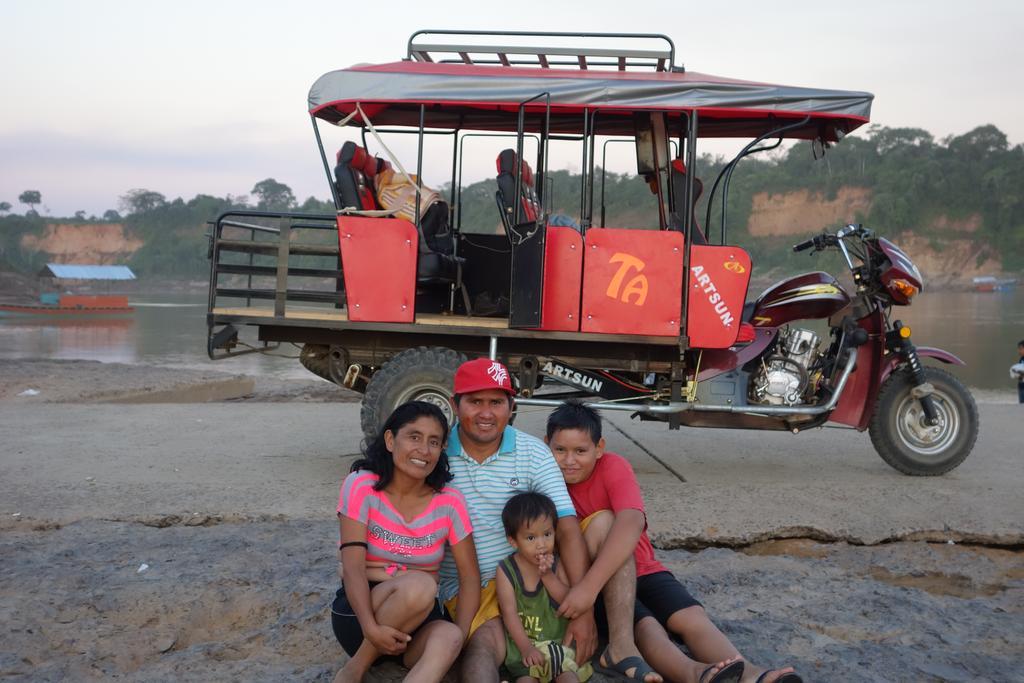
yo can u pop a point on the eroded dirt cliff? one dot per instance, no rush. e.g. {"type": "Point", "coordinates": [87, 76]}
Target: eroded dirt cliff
{"type": "Point", "coordinates": [96, 243]}
{"type": "Point", "coordinates": [944, 248]}
{"type": "Point", "coordinates": [949, 260]}
{"type": "Point", "coordinates": [801, 212]}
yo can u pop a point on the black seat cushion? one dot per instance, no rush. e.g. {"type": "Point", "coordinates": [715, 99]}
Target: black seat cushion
{"type": "Point", "coordinates": [678, 192]}
{"type": "Point", "coordinates": [529, 206]}
{"type": "Point", "coordinates": [353, 177]}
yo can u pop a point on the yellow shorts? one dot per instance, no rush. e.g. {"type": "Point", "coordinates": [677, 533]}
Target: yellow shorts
{"type": "Point", "coordinates": [584, 523]}
{"type": "Point", "coordinates": [488, 606]}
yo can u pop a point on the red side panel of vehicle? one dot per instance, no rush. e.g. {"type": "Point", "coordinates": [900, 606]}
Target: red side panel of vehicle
{"type": "Point", "coordinates": [378, 256]}
{"type": "Point", "coordinates": [632, 282]}
{"type": "Point", "coordinates": [718, 287]}
{"type": "Point", "coordinates": [857, 403]}
{"type": "Point", "coordinates": [563, 276]}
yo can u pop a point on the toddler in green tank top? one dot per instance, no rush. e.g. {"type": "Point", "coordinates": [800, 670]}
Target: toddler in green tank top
{"type": "Point", "coordinates": [530, 583]}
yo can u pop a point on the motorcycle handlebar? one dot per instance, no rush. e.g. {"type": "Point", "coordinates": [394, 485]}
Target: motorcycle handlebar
{"type": "Point", "coordinates": [819, 242]}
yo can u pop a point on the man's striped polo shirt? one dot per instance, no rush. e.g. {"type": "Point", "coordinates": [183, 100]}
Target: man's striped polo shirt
{"type": "Point", "coordinates": [522, 463]}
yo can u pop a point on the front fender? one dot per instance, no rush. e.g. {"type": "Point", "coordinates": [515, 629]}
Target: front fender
{"type": "Point", "coordinates": [922, 352]}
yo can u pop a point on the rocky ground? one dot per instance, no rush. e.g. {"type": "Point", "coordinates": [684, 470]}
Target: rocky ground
{"type": "Point", "coordinates": [98, 600]}
{"type": "Point", "coordinates": [195, 542]}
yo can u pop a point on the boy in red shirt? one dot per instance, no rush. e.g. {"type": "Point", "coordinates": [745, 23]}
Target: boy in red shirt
{"type": "Point", "coordinates": [607, 498]}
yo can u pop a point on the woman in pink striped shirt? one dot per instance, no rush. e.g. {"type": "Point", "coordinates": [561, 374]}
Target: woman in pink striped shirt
{"type": "Point", "coordinates": [396, 514]}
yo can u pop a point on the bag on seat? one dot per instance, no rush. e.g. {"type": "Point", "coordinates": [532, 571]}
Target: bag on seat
{"type": "Point", "coordinates": [394, 191]}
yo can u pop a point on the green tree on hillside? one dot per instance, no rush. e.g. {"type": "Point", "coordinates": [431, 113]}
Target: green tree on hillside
{"type": "Point", "coordinates": [314, 205]}
{"type": "Point", "coordinates": [174, 235]}
{"type": "Point", "coordinates": [141, 201]}
{"type": "Point", "coordinates": [979, 143]}
{"type": "Point", "coordinates": [111, 216]}
{"type": "Point", "coordinates": [273, 196]}
{"type": "Point", "coordinates": [5, 207]}
{"type": "Point", "coordinates": [31, 197]}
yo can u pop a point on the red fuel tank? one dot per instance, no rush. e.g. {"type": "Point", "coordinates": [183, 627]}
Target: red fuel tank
{"type": "Point", "coordinates": [808, 296]}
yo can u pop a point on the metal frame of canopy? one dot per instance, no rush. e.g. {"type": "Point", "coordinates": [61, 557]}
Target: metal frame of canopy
{"type": "Point", "coordinates": [445, 83]}
{"type": "Point", "coordinates": [449, 81]}
{"type": "Point", "coordinates": [453, 82]}
{"type": "Point", "coordinates": [544, 55]}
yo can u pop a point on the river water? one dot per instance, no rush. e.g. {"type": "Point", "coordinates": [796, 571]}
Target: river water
{"type": "Point", "coordinates": [981, 328]}
{"type": "Point", "coordinates": [168, 331]}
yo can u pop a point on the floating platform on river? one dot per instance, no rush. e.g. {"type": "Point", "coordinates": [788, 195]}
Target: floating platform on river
{"type": "Point", "coordinates": [72, 305]}
{"type": "Point", "coordinates": [63, 305]}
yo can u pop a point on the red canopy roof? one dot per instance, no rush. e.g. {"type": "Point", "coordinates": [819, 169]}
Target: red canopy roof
{"type": "Point", "coordinates": [480, 97]}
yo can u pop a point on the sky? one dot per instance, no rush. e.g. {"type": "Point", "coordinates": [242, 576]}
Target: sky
{"type": "Point", "coordinates": [100, 97]}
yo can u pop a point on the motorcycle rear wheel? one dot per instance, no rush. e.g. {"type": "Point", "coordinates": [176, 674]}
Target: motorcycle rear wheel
{"type": "Point", "coordinates": [906, 442]}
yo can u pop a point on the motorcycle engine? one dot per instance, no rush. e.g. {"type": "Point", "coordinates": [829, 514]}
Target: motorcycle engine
{"type": "Point", "coordinates": [785, 376]}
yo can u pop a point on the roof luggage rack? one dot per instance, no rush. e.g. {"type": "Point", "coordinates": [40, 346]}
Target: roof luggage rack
{"type": "Point", "coordinates": [621, 51]}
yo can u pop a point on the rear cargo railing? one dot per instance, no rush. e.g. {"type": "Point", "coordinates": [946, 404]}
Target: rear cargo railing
{"type": "Point", "coordinates": [255, 255]}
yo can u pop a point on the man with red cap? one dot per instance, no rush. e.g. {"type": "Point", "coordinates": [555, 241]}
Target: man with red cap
{"type": "Point", "coordinates": [491, 462]}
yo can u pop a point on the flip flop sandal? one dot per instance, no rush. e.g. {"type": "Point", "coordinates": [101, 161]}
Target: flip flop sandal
{"type": "Point", "coordinates": [729, 674]}
{"type": "Point", "coordinates": [618, 669]}
{"type": "Point", "coordinates": [784, 678]}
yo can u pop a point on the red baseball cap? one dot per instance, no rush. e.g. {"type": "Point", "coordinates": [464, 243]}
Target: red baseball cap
{"type": "Point", "coordinates": [482, 374]}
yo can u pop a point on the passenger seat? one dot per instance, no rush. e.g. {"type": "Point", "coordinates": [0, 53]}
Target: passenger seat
{"type": "Point", "coordinates": [530, 209]}
{"type": "Point", "coordinates": [353, 179]}
{"type": "Point", "coordinates": [678, 192]}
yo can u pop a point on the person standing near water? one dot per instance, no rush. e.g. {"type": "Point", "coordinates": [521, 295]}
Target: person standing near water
{"type": "Point", "coordinates": [1017, 371]}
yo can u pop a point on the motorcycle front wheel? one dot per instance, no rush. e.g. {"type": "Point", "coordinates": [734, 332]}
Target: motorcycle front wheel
{"type": "Point", "coordinates": [902, 436]}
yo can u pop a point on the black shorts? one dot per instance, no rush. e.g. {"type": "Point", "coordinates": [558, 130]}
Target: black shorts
{"type": "Point", "coordinates": [658, 595]}
{"type": "Point", "coordinates": [350, 634]}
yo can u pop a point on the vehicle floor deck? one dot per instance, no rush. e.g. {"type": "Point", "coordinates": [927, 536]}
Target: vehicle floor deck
{"type": "Point", "coordinates": [430, 323]}
{"type": "Point", "coordinates": [336, 315]}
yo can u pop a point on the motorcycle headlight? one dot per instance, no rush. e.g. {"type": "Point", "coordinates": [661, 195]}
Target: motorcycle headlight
{"type": "Point", "coordinates": [902, 290]}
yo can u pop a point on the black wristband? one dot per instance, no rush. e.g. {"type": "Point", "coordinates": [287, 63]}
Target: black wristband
{"type": "Point", "coordinates": [353, 543]}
